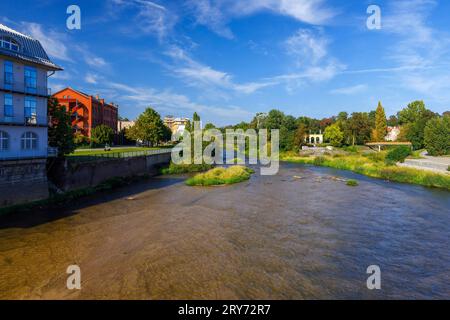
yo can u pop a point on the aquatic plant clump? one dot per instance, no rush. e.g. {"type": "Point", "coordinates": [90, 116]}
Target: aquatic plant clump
{"type": "Point", "coordinates": [352, 183]}
{"type": "Point", "coordinates": [221, 176]}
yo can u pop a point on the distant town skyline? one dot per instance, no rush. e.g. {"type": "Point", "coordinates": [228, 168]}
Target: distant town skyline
{"type": "Point", "coordinates": [227, 61]}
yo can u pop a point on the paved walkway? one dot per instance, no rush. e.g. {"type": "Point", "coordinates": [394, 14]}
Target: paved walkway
{"type": "Point", "coordinates": [437, 164]}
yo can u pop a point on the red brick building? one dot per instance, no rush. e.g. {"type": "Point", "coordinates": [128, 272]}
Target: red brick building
{"type": "Point", "coordinates": [87, 111]}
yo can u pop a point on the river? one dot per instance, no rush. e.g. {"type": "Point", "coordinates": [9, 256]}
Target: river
{"type": "Point", "coordinates": [302, 234]}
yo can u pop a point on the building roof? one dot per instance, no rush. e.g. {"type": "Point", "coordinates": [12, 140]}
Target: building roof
{"type": "Point", "coordinates": [87, 96]}
{"type": "Point", "coordinates": [30, 50]}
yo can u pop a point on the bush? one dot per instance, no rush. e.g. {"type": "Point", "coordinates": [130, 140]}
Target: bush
{"type": "Point", "coordinates": [398, 154]}
{"type": "Point", "coordinates": [352, 183]}
{"type": "Point", "coordinates": [220, 175]}
{"type": "Point", "coordinates": [185, 168]}
{"type": "Point", "coordinates": [352, 149]}
{"type": "Point", "coordinates": [437, 136]}
{"type": "Point", "coordinates": [318, 161]}
{"type": "Point", "coordinates": [376, 156]}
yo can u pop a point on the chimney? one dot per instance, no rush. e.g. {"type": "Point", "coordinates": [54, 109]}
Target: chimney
{"type": "Point", "coordinates": [97, 97]}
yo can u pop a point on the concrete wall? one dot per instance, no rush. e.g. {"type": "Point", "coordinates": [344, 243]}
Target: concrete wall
{"type": "Point", "coordinates": [71, 176]}
{"type": "Point", "coordinates": [22, 181]}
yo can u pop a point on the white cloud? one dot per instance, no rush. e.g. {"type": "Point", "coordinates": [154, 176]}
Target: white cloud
{"type": "Point", "coordinates": [91, 78]}
{"type": "Point", "coordinates": [307, 46]}
{"type": "Point", "coordinates": [216, 14]}
{"type": "Point", "coordinates": [149, 17]}
{"type": "Point", "coordinates": [350, 90]}
{"type": "Point", "coordinates": [52, 41]}
{"type": "Point", "coordinates": [421, 52]}
{"type": "Point", "coordinates": [197, 74]}
{"type": "Point", "coordinates": [174, 103]}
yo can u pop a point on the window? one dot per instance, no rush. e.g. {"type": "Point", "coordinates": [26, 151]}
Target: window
{"type": "Point", "coordinates": [29, 141]}
{"type": "Point", "coordinates": [9, 43]}
{"type": "Point", "coordinates": [4, 140]}
{"type": "Point", "coordinates": [30, 109]}
{"type": "Point", "coordinates": [8, 66]}
{"type": "Point", "coordinates": [8, 109]}
{"type": "Point", "coordinates": [30, 79]}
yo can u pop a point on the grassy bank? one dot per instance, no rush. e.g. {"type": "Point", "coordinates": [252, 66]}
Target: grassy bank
{"type": "Point", "coordinates": [185, 168]}
{"type": "Point", "coordinates": [373, 165]}
{"type": "Point", "coordinates": [221, 176]}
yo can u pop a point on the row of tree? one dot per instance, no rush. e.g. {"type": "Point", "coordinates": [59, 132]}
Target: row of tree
{"type": "Point", "coordinates": [418, 125]}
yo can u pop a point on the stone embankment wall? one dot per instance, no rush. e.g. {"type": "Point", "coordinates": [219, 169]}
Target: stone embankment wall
{"type": "Point", "coordinates": [69, 176]}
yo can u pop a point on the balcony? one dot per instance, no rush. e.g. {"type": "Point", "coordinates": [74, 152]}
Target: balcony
{"type": "Point", "coordinates": [19, 87]}
{"type": "Point", "coordinates": [25, 121]}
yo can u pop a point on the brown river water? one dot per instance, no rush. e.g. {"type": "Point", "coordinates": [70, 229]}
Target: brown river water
{"type": "Point", "coordinates": [272, 237]}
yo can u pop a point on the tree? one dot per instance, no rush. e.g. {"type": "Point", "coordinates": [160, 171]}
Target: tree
{"type": "Point", "coordinates": [358, 128]}
{"type": "Point", "coordinates": [437, 136]}
{"type": "Point", "coordinates": [209, 126]}
{"type": "Point", "coordinates": [414, 119]}
{"type": "Point", "coordinates": [334, 135]}
{"type": "Point", "coordinates": [102, 134]}
{"type": "Point", "coordinates": [392, 121]}
{"type": "Point", "coordinates": [60, 133]}
{"type": "Point", "coordinates": [380, 130]}
{"type": "Point", "coordinates": [300, 134]}
{"type": "Point", "coordinates": [274, 119]}
{"type": "Point", "coordinates": [149, 128]}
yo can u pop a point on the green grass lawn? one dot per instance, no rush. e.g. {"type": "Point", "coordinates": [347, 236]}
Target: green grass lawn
{"type": "Point", "coordinates": [95, 152]}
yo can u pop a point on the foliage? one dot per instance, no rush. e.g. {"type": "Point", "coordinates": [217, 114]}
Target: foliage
{"type": "Point", "coordinates": [437, 136]}
{"type": "Point", "coordinates": [102, 134]}
{"type": "Point", "coordinates": [220, 175]}
{"type": "Point", "coordinates": [414, 119]}
{"type": "Point", "coordinates": [334, 135]}
{"type": "Point", "coordinates": [352, 183]}
{"type": "Point", "coordinates": [60, 131]}
{"type": "Point", "coordinates": [398, 154]}
{"type": "Point", "coordinates": [185, 168]}
{"type": "Point", "coordinates": [381, 170]}
{"type": "Point", "coordinates": [380, 130]}
{"type": "Point", "coordinates": [357, 128]}
{"type": "Point", "coordinates": [300, 134]}
{"type": "Point", "coordinates": [149, 128]}
{"type": "Point", "coordinates": [80, 139]}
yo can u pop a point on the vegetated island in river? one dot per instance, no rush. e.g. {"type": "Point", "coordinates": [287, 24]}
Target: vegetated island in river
{"type": "Point", "coordinates": [373, 164]}
{"type": "Point", "coordinates": [221, 176]}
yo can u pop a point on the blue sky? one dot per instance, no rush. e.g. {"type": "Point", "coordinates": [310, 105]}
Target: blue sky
{"type": "Point", "coordinates": [229, 59]}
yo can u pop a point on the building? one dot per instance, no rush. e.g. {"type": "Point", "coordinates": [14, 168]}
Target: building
{"type": "Point", "coordinates": [176, 124]}
{"type": "Point", "coordinates": [124, 124]}
{"type": "Point", "coordinates": [24, 70]}
{"type": "Point", "coordinates": [87, 111]}
{"type": "Point", "coordinates": [314, 138]}
{"type": "Point", "coordinates": [392, 134]}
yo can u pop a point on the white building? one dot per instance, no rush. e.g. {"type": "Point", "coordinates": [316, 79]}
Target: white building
{"type": "Point", "coordinates": [24, 69]}
{"type": "Point", "coordinates": [314, 138]}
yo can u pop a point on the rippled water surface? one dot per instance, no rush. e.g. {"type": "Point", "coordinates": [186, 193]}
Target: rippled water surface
{"type": "Point", "coordinates": [300, 234]}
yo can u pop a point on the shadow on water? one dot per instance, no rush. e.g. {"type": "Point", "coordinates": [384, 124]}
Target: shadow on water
{"type": "Point", "coordinates": [37, 216]}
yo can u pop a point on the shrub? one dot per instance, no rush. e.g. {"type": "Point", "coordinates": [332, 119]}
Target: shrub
{"type": "Point", "coordinates": [398, 154]}
{"type": "Point", "coordinates": [352, 183]}
{"type": "Point", "coordinates": [318, 161]}
{"type": "Point", "coordinates": [352, 149]}
{"type": "Point", "coordinates": [437, 136]}
{"type": "Point", "coordinates": [185, 168]}
{"type": "Point", "coordinates": [220, 175]}
{"type": "Point", "coordinates": [376, 156]}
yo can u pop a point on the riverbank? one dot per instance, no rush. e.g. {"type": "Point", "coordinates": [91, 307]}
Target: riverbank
{"type": "Point", "coordinates": [372, 165]}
